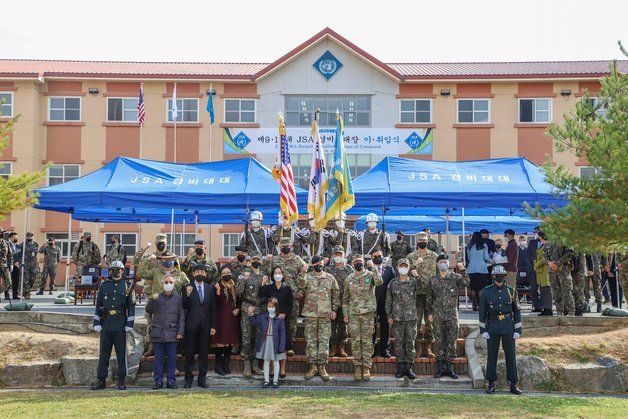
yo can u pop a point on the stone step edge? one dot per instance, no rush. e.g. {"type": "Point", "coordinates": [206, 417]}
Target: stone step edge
{"type": "Point", "coordinates": [303, 358]}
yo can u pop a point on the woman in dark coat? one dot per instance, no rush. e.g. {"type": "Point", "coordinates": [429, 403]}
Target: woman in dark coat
{"type": "Point", "coordinates": [167, 328]}
{"type": "Point", "coordinates": [227, 320]}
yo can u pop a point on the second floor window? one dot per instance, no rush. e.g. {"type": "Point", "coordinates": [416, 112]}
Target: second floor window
{"type": "Point", "coordinates": [6, 104]}
{"type": "Point", "coordinates": [64, 109]}
{"type": "Point", "coordinates": [187, 110]}
{"type": "Point", "coordinates": [61, 173]}
{"type": "Point", "coordinates": [121, 109]}
{"type": "Point", "coordinates": [535, 110]}
{"type": "Point", "coordinates": [239, 110]}
{"type": "Point", "coordinates": [415, 111]}
{"type": "Point", "coordinates": [473, 111]}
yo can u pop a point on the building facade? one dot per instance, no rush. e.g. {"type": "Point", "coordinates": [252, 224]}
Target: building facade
{"type": "Point", "coordinates": [77, 116]}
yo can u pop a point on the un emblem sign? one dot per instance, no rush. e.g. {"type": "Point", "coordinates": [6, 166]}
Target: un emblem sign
{"type": "Point", "coordinates": [241, 140]}
{"type": "Point", "coordinates": [327, 65]}
{"type": "Point", "coordinates": [414, 141]}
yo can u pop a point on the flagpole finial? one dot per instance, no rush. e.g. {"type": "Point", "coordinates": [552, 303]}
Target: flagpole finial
{"type": "Point", "coordinates": [337, 111]}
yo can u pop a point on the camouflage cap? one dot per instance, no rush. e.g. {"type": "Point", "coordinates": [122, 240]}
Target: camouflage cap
{"type": "Point", "coordinates": [161, 238]}
{"type": "Point", "coordinates": [422, 236]}
{"type": "Point", "coordinates": [115, 237]}
{"type": "Point", "coordinates": [256, 255]}
{"type": "Point", "coordinates": [338, 249]}
{"type": "Point", "coordinates": [285, 241]}
{"type": "Point", "coordinates": [357, 257]}
{"type": "Point", "coordinates": [86, 234]}
{"type": "Point", "coordinates": [403, 261]}
{"type": "Point", "coordinates": [167, 254]}
{"type": "Point", "coordinates": [29, 234]}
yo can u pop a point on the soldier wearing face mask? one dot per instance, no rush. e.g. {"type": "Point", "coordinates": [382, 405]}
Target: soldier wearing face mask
{"type": "Point", "coordinates": [284, 229]}
{"type": "Point", "coordinates": [197, 256]}
{"type": "Point", "coordinates": [116, 251]}
{"type": "Point", "coordinates": [400, 249]}
{"type": "Point", "coordinates": [241, 265]}
{"type": "Point", "coordinates": [339, 235]}
{"type": "Point", "coordinates": [340, 270]}
{"type": "Point", "coordinates": [85, 253]}
{"type": "Point", "coordinates": [372, 237]}
{"type": "Point", "coordinates": [256, 238]}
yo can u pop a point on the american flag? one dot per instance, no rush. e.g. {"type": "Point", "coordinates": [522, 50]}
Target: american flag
{"type": "Point", "coordinates": [141, 113]}
{"type": "Point", "coordinates": [288, 195]}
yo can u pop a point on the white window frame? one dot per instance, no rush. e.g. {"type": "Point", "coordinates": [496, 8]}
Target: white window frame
{"type": "Point", "coordinates": [189, 240]}
{"type": "Point", "coordinates": [181, 111]}
{"type": "Point", "coordinates": [130, 248]}
{"type": "Point", "coordinates": [3, 166]}
{"type": "Point", "coordinates": [231, 246]}
{"type": "Point", "coordinates": [414, 112]}
{"type": "Point", "coordinates": [62, 242]}
{"type": "Point", "coordinates": [601, 113]}
{"type": "Point", "coordinates": [534, 111]}
{"type": "Point", "coordinates": [473, 111]}
{"type": "Point", "coordinates": [80, 118]}
{"type": "Point", "coordinates": [595, 170]}
{"type": "Point", "coordinates": [64, 175]}
{"type": "Point", "coordinates": [134, 108]}
{"type": "Point", "coordinates": [11, 105]}
{"type": "Point", "coordinates": [239, 121]}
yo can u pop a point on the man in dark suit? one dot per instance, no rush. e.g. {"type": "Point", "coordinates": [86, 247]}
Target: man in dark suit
{"type": "Point", "coordinates": [383, 347]}
{"type": "Point", "coordinates": [199, 304]}
{"type": "Point", "coordinates": [530, 258]}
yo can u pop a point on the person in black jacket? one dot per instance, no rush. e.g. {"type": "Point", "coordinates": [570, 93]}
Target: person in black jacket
{"type": "Point", "coordinates": [387, 272]}
{"type": "Point", "coordinates": [530, 259]}
{"type": "Point", "coordinates": [199, 303]}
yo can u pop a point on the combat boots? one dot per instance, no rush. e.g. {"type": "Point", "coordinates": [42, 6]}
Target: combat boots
{"type": "Point", "coordinates": [450, 370]}
{"type": "Point", "coordinates": [426, 349]}
{"type": "Point", "coordinates": [341, 350]}
{"type": "Point", "coordinates": [401, 367]}
{"type": "Point", "coordinates": [255, 368]}
{"type": "Point", "coordinates": [322, 372]}
{"type": "Point", "coordinates": [366, 374]}
{"type": "Point", "coordinates": [247, 369]}
{"type": "Point", "coordinates": [311, 372]}
{"type": "Point", "coordinates": [440, 369]}
{"type": "Point", "coordinates": [599, 308]}
{"type": "Point", "coordinates": [101, 384]}
{"type": "Point", "coordinates": [357, 372]}
{"type": "Point", "coordinates": [409, 372]}
{"type": "Point", "coordinates": [333, 350]}
{"type": "Point", "coordinates": [121, 384]}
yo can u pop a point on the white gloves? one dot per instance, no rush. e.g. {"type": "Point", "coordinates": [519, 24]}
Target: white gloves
{"type": "Point", "coordinates": [97, 329]}
{"type": "Point", "coordinates": [516, 335]}
{"type": "Point", "coordinates": [485, 335]}
{"type": "Point", "coordinates": [128, 329]}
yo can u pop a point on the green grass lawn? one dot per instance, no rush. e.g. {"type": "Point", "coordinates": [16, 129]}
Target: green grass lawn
{"type": "Point", "coordinates": [148, 404]}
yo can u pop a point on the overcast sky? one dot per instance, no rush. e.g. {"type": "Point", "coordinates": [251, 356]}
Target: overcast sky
{"type": "Point", "coordinates": [261, 31]}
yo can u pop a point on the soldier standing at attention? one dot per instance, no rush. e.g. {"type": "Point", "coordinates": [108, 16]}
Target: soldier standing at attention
{"type": "Point", "coordinates": [197, 256]}
{"type": "Point", "coordinates": [85, 254]}
{"type": "Point", "coordinates": [359, 302]}
{"type": "Point", "coordinates": [400, 248]}
{"type": "Point", "coordinates": [6, 263]}
{"type": "Point", "coordinates": [431, 243]}
{"type": "Point", "coordinates": [116, 251]}
{"type": "Point", "coordinates": [30, 248]}
{"type": "Point", "coordinates": [321, 306]}
{"type": "Point", "coordinates": [558, 259]}
{"type": "Point", "coordinates": [442, 304]}
{"type": "Point", "coordinates": [115, 314]}
{"type": "Point", "coordinates": [372, 238]}
{"type": "Point", "coordinates": [500, 319]}
{"type": "Point", "coordinates": [256, 238]}
{"type": "Point", "coordinates": [423, 265]}
{"type": "Point", "coordinates": [52, 257]}
{"type": "Point", "coordinates": [402, 317]}
{"type": "Point", "coordinates": [341, 271]}
{"type": "Point", "coordinates": [340, 236]}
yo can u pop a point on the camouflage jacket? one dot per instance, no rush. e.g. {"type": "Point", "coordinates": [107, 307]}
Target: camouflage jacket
{"type": "Point", "coordinates": [257, 241]}
{"type": "Point", "coordinates": [341, 275]}
{"type": "Point", "coordinates": [559, 254]}
{"type": "Point", "coordinates": [359, 292]}
{"type": "Point", "coordinates": [238, 271]}
{"type": "Point", "coordinates": [87, 254]}
{"type": "Point", "coordinates": [312, 243]}
{"type": "Point", "coordinates": [399, 249]}
{"type": "Point", "coordinates": [401, 299]}
{"type": "Point", "coordinates": [52, 255]}
{"type": "Point", "coordinates": [247, 288]}
{"type": "Point", "coordinates": [6, 257]}
{"type": "Point", "coordinates": [321, 294]}
{"type": "Point", "coordinates": [339, 237]}
{"type": "Point", "coordinates": [442, 295]}
{"type": "Point", "coordinates": [278, 232]}
{"type": "Point", "coordinates": [156, 285]}
{"type": "Point", "coordinates": [372, 241]}
{"type": "Point", "coordinates": [293, 267]}
{"type": "Point", "coordinates": [212, 271]}
{"type": "Point", "coordinates": [116, 252]}
{"type": "Point", "coordinates": [30, 253]}
{"type": "Point", "coordinates": [425, 270]}
{"type": "Point", "coordinates": [432, 245]}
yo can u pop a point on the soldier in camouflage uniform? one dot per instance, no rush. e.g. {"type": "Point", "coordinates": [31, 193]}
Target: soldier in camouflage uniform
{"type": "Point", "coordinates": [400, 249]}
{"type": "Point", "coordinates": [293, 267]}
{"type": "Point", "coordinates": [402, 316]}
{"type": "Point", "coordinates": [558, 260]}
{"type": "Point", "coordinates": [578, 272]}
{"type": "Point", "coordinates": [442, 304]}
{"type": "Point", "coordinates": [431, 243]}
{"type": "Point", "coordinates": [340, 236]}
{"type": "Point", "coordinates": [30, 248]}
{"type": "Point", "coordinates": [594, 274]}
{"type": "Point", "coordinates": [423, 265]}
{"type": "Point", "coordinates": [622, 265]}
{"type": "Point", "coordinates": [256, 238]}
{"type": "Point", "coordinates": [85, 253]}
{"type": "Point", "coordinates": [321, 305]}
{"type": "Point", "coordinates": [372, 238]}
{"type": "Point", "coordinates": [359, 304]}
{"type": "Point", "coordinates": [284, 229]}
{"type": "Point", "coordinates": [52, 257]}
{"type": "Point", "coordinates": [196, 255]}
{"type": "Point", "coordinates": [248, 283]}
{"type": "Point", "coordinates": [116, 251]}
{"type": "Point", "coordinates": [241, 265]}
{"type": "Point", "coordinates": [6, 263]}
{"type": "Point", "coordinates": [313, 239]}
{"type": "Point", "coordinates": [341, 271]}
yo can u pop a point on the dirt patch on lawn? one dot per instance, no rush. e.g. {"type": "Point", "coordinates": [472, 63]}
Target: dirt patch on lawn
{"type": "Point", "coordinates": [21, 348]}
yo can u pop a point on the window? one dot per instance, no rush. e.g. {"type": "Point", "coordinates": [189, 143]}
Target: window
{"type": "Point", "coordinates": [64, 109]}
{"type": "Point", "coordinates": [188, 241]}
{"type": "Point", "coordinates": [5, 170]}
{"type": "Point", "coordinates": [355, 110]}
{"type": "Point", "coordinates": [535, 110]}
{"type": "Point", "coordinates": [601, 109]}
{"type": "Point", "coordinates": [61, 173]}
{"type": "Point", "coordinates": [6, 104]}
{"type": "Point", "coordinates": [416, 111]}
{"type": "Point", "coordinates": [122, 109]}
{"type": "Point", "coordinates": [588, 172]}
{"type": "Point", "coordinates": [229, 242]}
{"type": "Point", "coordinates": [473, 111]}
{"type": "Point", "coordinates": [187, 110]}
{"type": "Point", "coordinates": [61, 240]}
{"type": "Point", "coordinates": [128, 241]}
{"type": "Point", "coordinates": [240, 110]}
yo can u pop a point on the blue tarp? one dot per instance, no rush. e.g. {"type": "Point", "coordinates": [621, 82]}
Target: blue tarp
{"type": "Point", "coordinates": [127, 183]}
{"type": "Point", "coordinates": [397, 183]}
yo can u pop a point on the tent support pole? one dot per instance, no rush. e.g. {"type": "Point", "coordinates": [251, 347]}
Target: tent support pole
{"type": "Point", "coordinates": [181, 247]}
{"type": "Point", "coordinates": [447, 234]}
{"type": "Point", "coordinates": [172, 231]}
{"type": "Point", "coordinates": [67, 259]}
{"type": "Point", "coordinates": [464, 240]}
{"type": "Point", "coordinates": [23, 256]}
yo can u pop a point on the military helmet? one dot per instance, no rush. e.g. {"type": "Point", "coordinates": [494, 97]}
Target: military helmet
{"type": "Point", "coordinates": [498, 270]}
{"type": "Point", "coordinates": [372, 217]}
{"type": "Point", "coordinates": [256, 216]}
{"type": "Point", "coordinates": [116, 264]}
{"type": "Point", "coordinates": [342, 217]}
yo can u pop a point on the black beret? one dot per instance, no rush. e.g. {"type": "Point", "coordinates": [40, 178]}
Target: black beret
{"type": "Point", "coordinates": [199, 241]}
{"type": "Point", "coordinates": [316, 259]}
{"type": "Point", "coordinates": [241, 249]}
{"type": "Point", "coordinates": [442, 257]}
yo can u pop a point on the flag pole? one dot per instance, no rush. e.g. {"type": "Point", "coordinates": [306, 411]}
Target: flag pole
{"type": "Point", "coordinates": [211, 145]}
{"type": "Point", "coordinates": [174, 119]}
{"type": "Point", "coordinates": [139, 225]}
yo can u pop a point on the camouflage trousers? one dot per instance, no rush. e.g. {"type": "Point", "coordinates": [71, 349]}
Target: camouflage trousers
{"type": "Point", "coordinates": [445, 334]}
{"type": "Point", "coordinates": [29, 277]}
{"type": "Point", "coordinates": [596, 283]}
{"type": "Point", "coordinates": [338, 329]}
{"type": "Point", "coordinates": [247, 351]}
{"type": "Point", "coordinates": [578, 292]}
{"type": "Point", "coordinates": [148, 290]}
{"type": "Point", "coordinates": [422, 315]}
{"type": "Point", "coordinates": [361, 329]}
{"type": "Point", "coordinates": [562, 288]}
{"type": "Point", "coordinates": [317, 333]}
{"type": "Point", "coordinates": [5, 280]}
{"type": "Point", "coordinates": [49, 271]}
{"type": "Point", "coordinates": [291, 321]}
{"type": "Point", "coordinates": [405, 335]}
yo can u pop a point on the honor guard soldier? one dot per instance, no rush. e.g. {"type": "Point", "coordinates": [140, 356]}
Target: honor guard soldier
{"type": "Point", "coordinates": [284, 229]}
{"type": "Point", "coordinates": [500, 320]}
{"type": "Point", "coordinates": [373, 238]}
{"type": "Point", "coordinates": [115, 314]}
{"type": "Point", "coordinates": [256, 238]}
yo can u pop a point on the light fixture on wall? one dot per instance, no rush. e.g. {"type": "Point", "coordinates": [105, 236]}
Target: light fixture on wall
{"type": "Point", "coordinates": [211, 92]}
{"type": "Point", "coordinates": [93, 90]}
{"type": "Point", "coordinates": [565, 92]}
{"type": "Point", "coordinates": [445, 92]}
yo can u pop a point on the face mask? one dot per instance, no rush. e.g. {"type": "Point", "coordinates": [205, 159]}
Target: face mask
{"type": "Point", "coordinates": [241, 258]}
{"type": "Point", "coordinates": [271, 311]}
{"type": "Point", "coordinates": [49, 244]}
{"type": "Point", "coordinates": [115, 272]}
{"type": "Point", "coordinates": [421, 245]}
{"type": "Point", "coordinates": [400, 238]}
{"type": "Point", "coordinates": [199, 278]}
{"type": "Point", "coordinates": [29, 240]}
{"type": "Point", "coordinates": [168, 287]}
{"type": "Point", "coordinates": [199, 251]}
{"type": "Point", "coordinates": [226, 277]}
{"type": "Point", "coordinates": [278, 277]}
{"type": "Point", "coordinates": [89, 239]}
{"type": "Point", "coordinates": [285, 250]}
{"type": "Point", "coordinates": [372, 224]}
{"type": "Point", "coordinates": [499, 280]}
{"type": "Point", "coordinates": [338, 259]}
{"type": "Point", "coordinates": [340, 224]}
{"type": "Point", "coordinates": [168, 264]}
{"type": "Point", "coordinates": [312, 223]}
{"type": "Point", "coordinates": [443, 267]}
{"type": "Point", "coordinates": [498, 246]}
{"type": "Point", "coordinates": [403, 271]}
{"type": "Point", "coordinates": [14, 240]}
{"type": "Point", "coordinates": [256, 224]}
{"type": "Point", "coordinates": [358, 266]}
{"type": "Point", "coordinates": [113, 242]}
{"type": "Point", "coordinates": [378, 260]}
{"type": "Point", "coordinates": [161, 246]}
{"type": "Point", "coordinates": [523, 244]}
{"type": "Point", "coordinates": [256, 265]}
{"type": "Point", "coordinates": [318, 268]}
